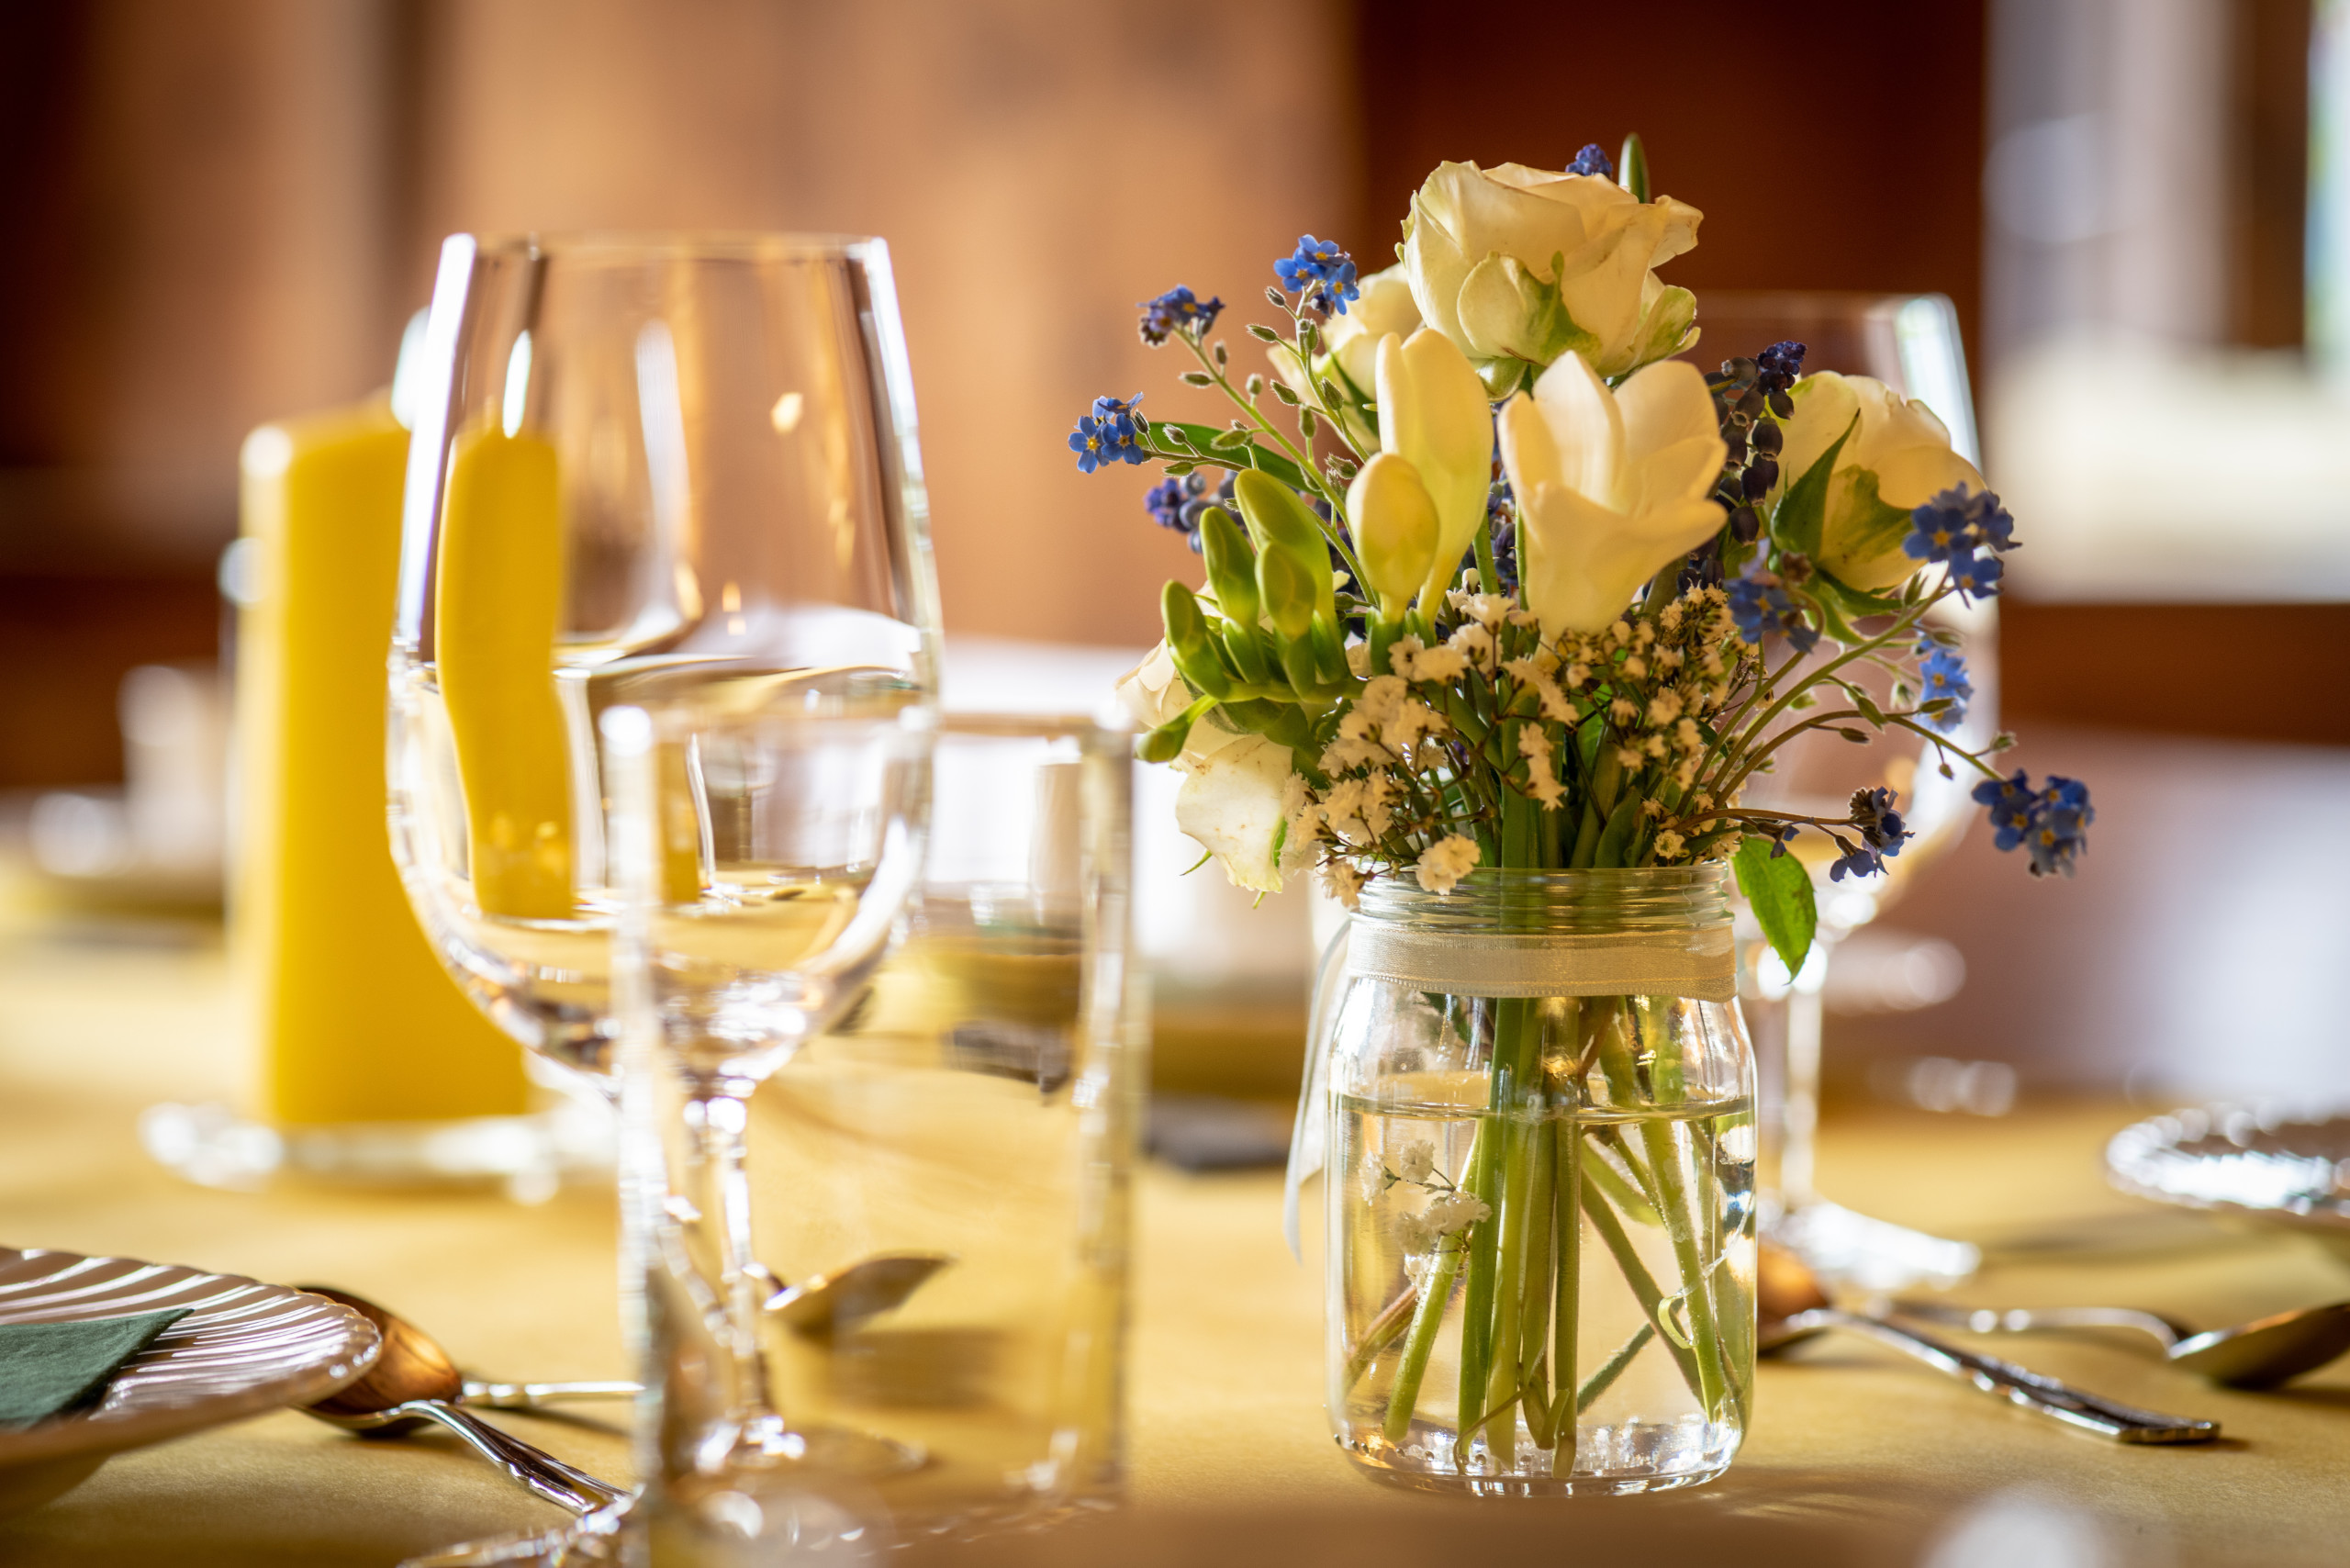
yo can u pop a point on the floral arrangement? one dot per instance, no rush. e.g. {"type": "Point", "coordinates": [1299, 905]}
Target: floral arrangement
{"type": "Point", "coordinates": [1492, 579]}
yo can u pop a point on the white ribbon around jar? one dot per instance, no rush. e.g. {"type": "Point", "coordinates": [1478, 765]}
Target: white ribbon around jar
{"type": "Point", "coordinates": [1701, 964]}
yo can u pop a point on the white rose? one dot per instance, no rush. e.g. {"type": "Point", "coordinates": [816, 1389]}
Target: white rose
{"type": "Point", "coordinates": [1895, 455]}
{"type": "Point", "coordinates": [1611, 486]}
{"type": "Point", "coordinates": [1519, 265]}
{"type": "Point", "coordinates": [1350, 349]}
{"type": "Point", "coordinates": [1236, 784]}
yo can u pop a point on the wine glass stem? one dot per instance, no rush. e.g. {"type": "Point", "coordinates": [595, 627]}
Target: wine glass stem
{"type": "Point", "coordinates": [719, 1117]}
{"type": "Point", "coordinates": [1800, 1119]}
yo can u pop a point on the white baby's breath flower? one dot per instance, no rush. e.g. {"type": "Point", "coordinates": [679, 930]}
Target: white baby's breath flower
{"type": "Point", "coordinates": [1554, 702]}
{"type": "Point", "coordinates": [1414, 1233]}
{"type": "Point", "coordinates": [1623, 710]}
{"type": "Point", "coordinates": [1686, 734]}
{"type": "Point", "coordinates": [1342, 882]}
{"type": "Point", "coordinates": [1417, 1162]}
{"type": "Point", "coordinates": [1473, 645]}
{"type": "Point", "coordinates": [1534, 745]}
{"type": "Point", "coordinates": [1668, 846]}
{"type": "Point", "coordinates": [1380, 791]}
{"type": "Point", "coordinates": [1443, 864]}
{"type": "Point", "coordinates": [1444, 664]}
{"type": "Point", "coordinates": [1636, 667]}
{"type": "Point", "coordinates": [1452, 1212]}
{"type": "Point", "coordinates": [1664, 707]}
{"type": "Point", "coordinates": [1628, 756]}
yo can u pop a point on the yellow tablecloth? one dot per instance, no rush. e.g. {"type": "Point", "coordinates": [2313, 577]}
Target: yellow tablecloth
{"type": "Point", "coordinates": [1231, 1461]}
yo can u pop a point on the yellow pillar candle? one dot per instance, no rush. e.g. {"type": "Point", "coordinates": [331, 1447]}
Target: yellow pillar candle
{"type": "Point", "coordinates": [498, 597]}
{"type": "Point", "coordinates": [357, 1020]}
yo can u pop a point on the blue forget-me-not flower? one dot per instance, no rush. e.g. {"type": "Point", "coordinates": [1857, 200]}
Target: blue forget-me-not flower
{"type": "Point", "coordinates": [1109, 433]}
{"type": "Point", "coordinates": [1882, 835]}
{"type": "Point", "coordinates": [1178, 312]}
{"type": "Point", "coordinates": [1966, 530]}
{"type": "Point", "coordinates": [2049, 823]}
{"type": "Point", "coordinates": [1322, 272]}
{"type": "Point", "coordinates": [1943, 674]}
{"type": "Point", "coordinates": [1760, 605]}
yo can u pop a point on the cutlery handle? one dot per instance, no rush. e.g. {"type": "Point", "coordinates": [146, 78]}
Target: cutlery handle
{"type": "Point", "coordinates": [2024, 1320]}
{"type": "Point", "coordinates": [2034, 1391]}
{"type": "Point", "coordinates": [535, 1468]}
{"type": "Point", "coordinates": [531, 1395]}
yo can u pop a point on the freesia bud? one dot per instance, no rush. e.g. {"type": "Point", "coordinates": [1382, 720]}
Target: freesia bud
{"type": "Point", "coordinates": [1284, 527]}
{"type": "Point", "coordinates": [1433, 413]}
{"type": "Point", "coordinates": [1395, 530]}
{"type": "Point", "coordinates": [1187, 640]}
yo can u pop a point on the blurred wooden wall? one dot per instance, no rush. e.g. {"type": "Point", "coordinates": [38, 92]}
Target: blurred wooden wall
{"type": "Point", "coordinates": [213, 212]}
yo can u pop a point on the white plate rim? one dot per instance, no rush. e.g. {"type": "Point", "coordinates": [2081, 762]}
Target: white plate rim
{"type": "Point", "coordinates": [189, 1379]}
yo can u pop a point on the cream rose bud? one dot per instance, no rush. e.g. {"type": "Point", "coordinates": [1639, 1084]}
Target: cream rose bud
{"type": "Point", "coordinates": [1350, 350]}
{"type": "Point", "coordinates": [1519, 266]}
{"type": "Point", "coordinates": [1235, 784]}
{"type": "Point", "coordinates": [1352, 340]}
{"type": "Point", "coordinates": [1891, 455]}
{"type": "Point", "coordinates": [1611, 486]}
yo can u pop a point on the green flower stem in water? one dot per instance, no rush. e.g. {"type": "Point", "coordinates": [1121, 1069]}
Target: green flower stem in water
{"type": "Point", "coordinates": [1567, 1217]}
{"type": "Point", "coordinates": [1644, 1291]}
{"type": "Point", "coordinates": [1427, 1317]}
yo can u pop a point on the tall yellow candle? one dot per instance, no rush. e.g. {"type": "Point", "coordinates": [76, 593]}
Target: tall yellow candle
{"type": "Point", "coordinates": [357, 1020]}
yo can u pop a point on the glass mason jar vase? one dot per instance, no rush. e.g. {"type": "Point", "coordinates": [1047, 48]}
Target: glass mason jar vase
{"type": "Point", "coordinates": [1540, 1131]}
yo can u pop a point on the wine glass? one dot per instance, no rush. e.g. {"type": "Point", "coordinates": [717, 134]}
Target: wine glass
{"type": "Point", "coordinates": [650, 472]}
{"type": "Point", "coordinates": [1912, 344]}
{"type": "Point", "coordinates": [803, 808]}
{"type": "Point", "coordinates": [642, 467]}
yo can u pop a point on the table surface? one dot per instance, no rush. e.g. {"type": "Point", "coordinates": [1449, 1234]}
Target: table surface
{"type": "Point", "coordinates": [1227, 1437]}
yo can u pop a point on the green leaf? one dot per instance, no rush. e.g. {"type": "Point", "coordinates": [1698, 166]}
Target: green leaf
{"type": "Point", "coordinates": [1796, 523]}
{"type": "Point", "coordinates": [1616, 838]}
{"type": "Point", "coordinates": [1868, 529]}
{"type": "Point", "coordinates": [1632, 167]}
{"type": "Point", "coordinates": [1778, 889]}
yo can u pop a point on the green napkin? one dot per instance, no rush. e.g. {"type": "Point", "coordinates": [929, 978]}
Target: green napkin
{"type": "Point", "coordinates": [49, 1367]}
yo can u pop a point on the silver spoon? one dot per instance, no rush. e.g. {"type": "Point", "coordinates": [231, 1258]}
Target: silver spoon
{"type": "Point", "coordinates": [1792, 1307]}
{"type": "Point", "coordinates": [2259, 1354]}
{"type": "Point", "coordinates": [413, 1381]}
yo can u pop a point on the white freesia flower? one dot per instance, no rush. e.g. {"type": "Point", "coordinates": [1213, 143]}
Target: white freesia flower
{"type": "Point", "coordinates": [1518, 266]}
{"type": "Point", "coordinates": [1610, 485]}
{"type": "Point", "coordinates": [1433, 412]}
{"type": "Point", "coordinates": [1235, 784]}
{"type": "Point", "coordinates": [1896, 457]}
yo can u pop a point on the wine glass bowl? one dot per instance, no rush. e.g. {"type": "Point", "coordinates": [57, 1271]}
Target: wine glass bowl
{"type": "Point", "coordinates": [642, 468]}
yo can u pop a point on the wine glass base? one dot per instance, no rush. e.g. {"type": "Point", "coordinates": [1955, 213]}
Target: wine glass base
{"type": "Point", "coordinates": [1843, 1247]}
{"type": "Point", "coordinates": [751, 1518]}
{"type": "Point", "coordinates": [836, 1452]}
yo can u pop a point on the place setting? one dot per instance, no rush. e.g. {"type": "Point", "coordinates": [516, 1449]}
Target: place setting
{"type": "Point", "coordinates": [1567, 741]}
